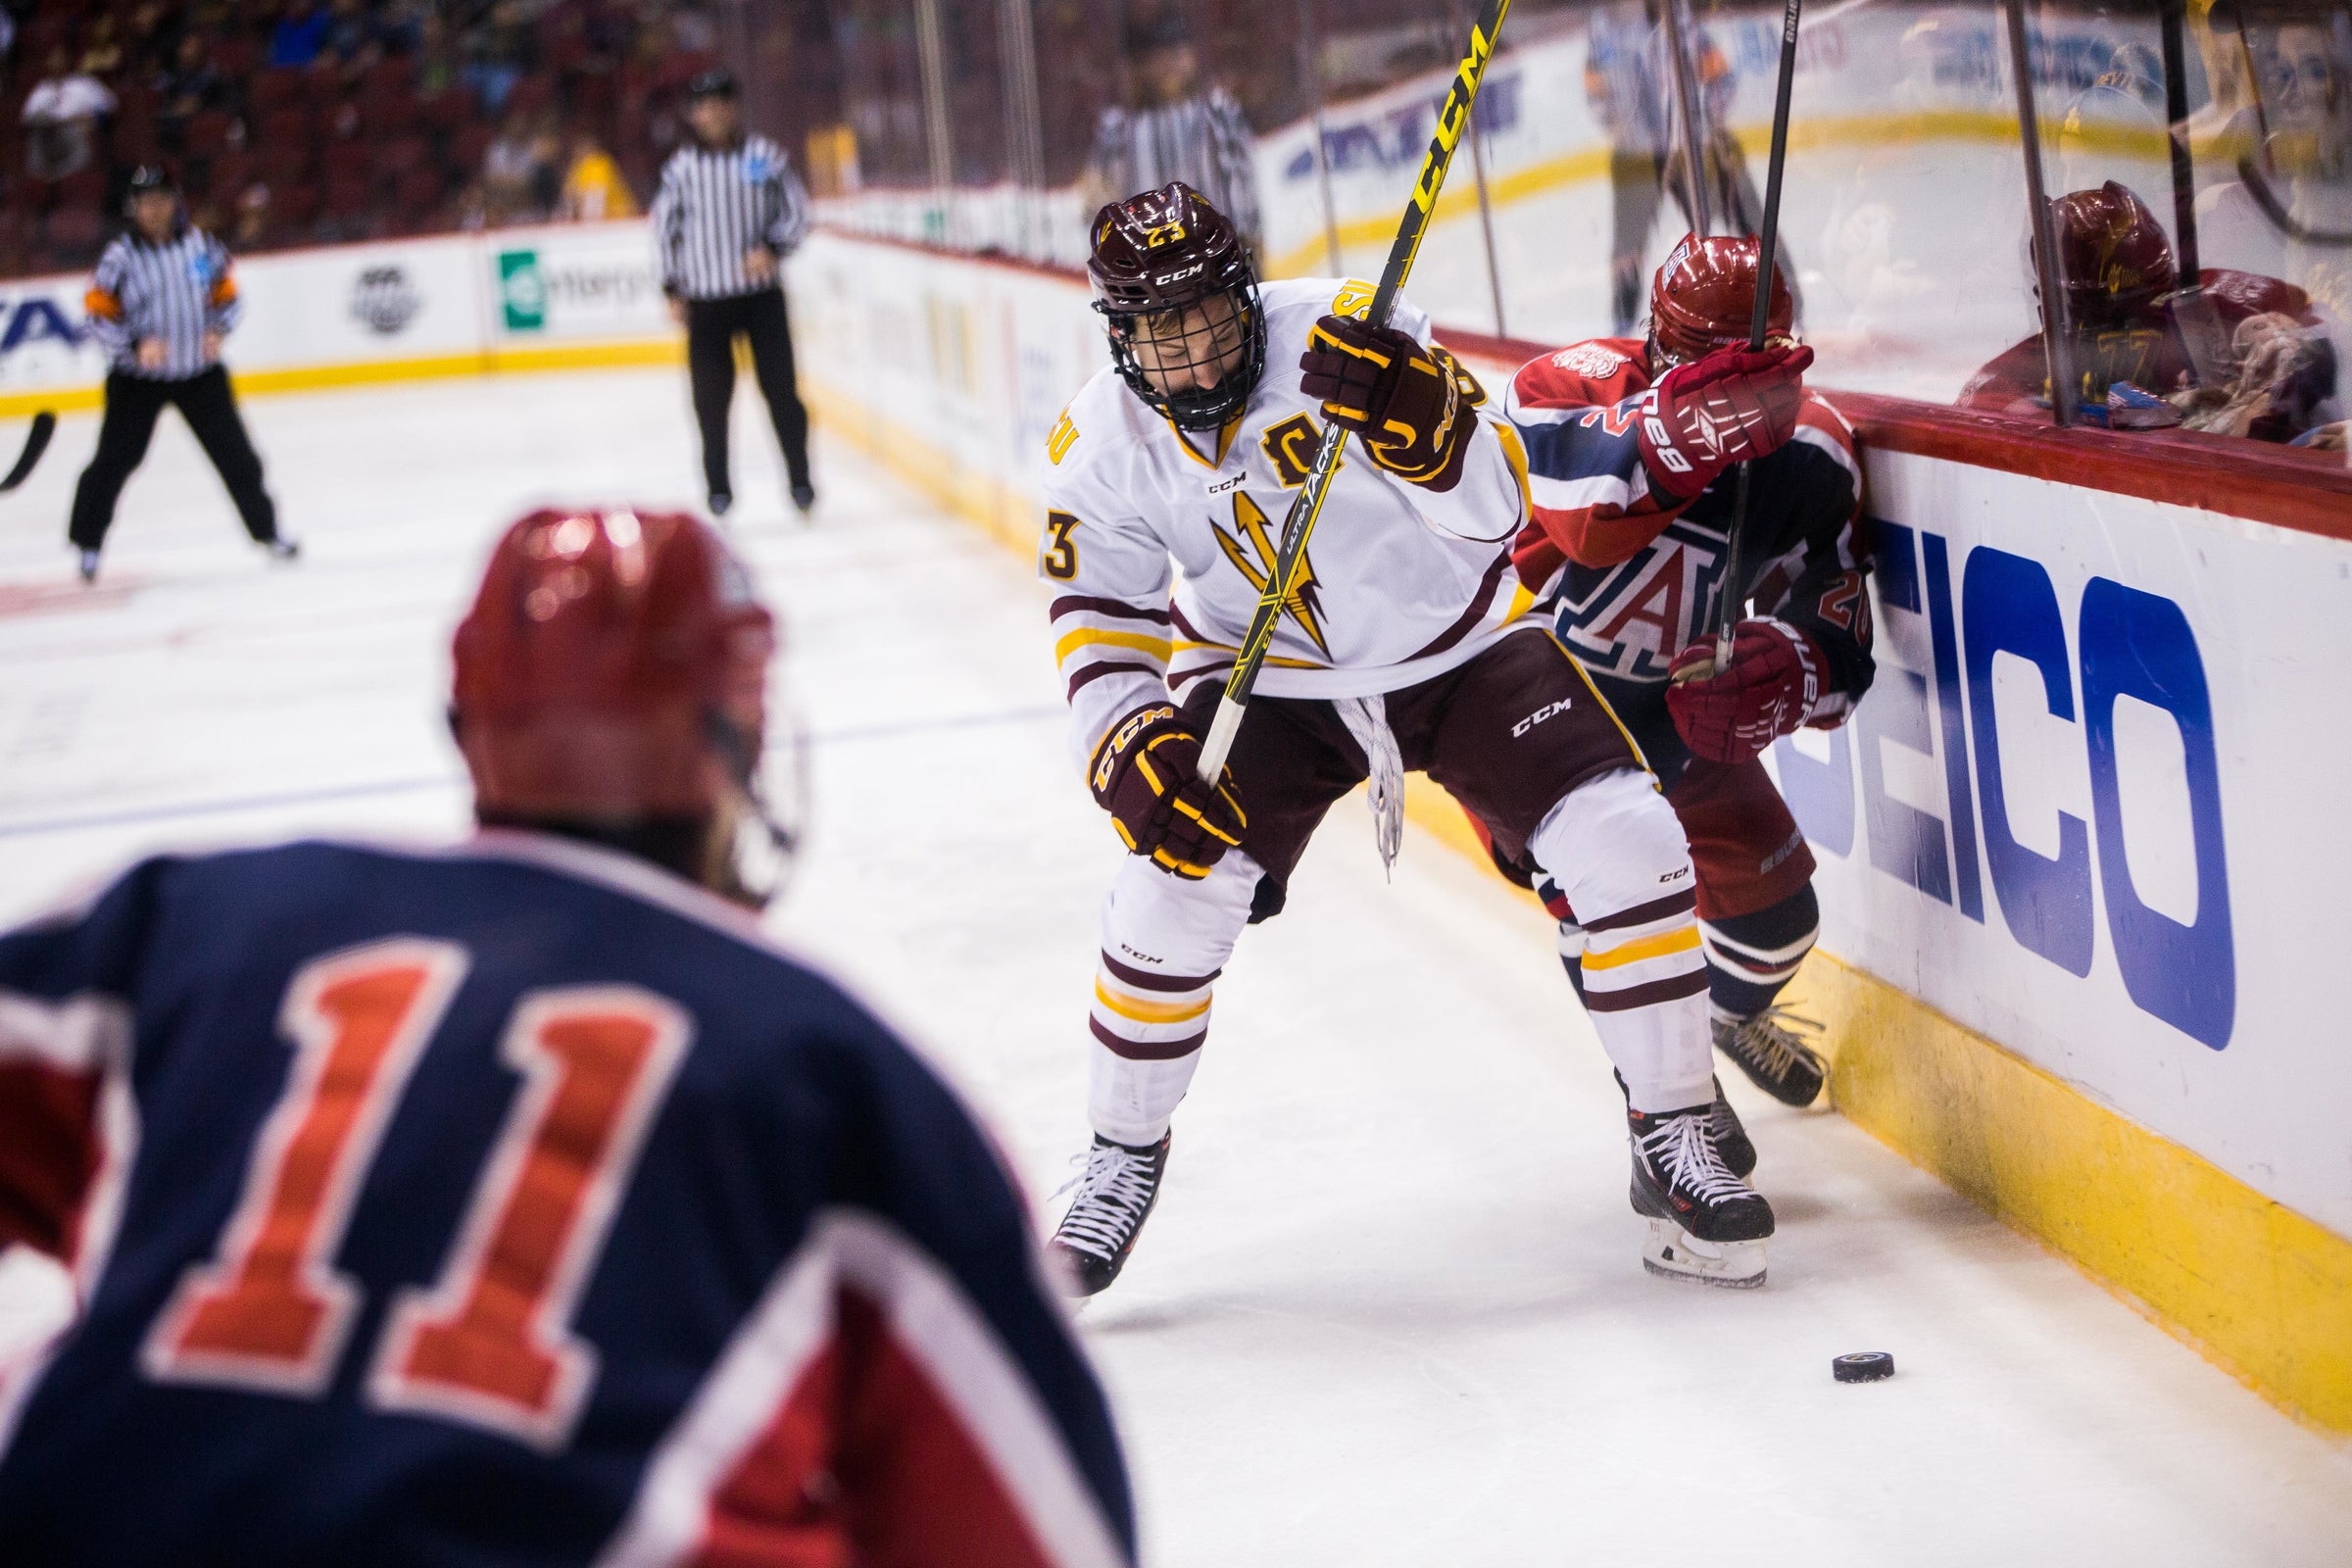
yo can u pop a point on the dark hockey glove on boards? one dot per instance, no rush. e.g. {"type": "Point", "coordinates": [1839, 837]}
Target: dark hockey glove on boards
{"type": "Point", "coordinates": [1414, 407]}
{"type": "Point", "coordinates": [1146, 775]}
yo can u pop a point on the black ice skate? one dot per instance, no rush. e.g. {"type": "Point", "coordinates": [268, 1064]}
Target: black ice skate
{"type": "Point", "coordinates": [1114, 1198]}
{"type": "Point", "coordinates": [1705, 1223]}
{"type": "Point", "coordinates": [1776, 1059]}
{"type": "Point", "coordinates": [1724, 1127]}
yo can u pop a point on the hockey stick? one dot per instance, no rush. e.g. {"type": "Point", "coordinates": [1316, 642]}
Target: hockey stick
{"type": "Point", "coordinates": [1299, 524]}
{"type": "Point", "coordinates": [1758, 322]}
{"type": "Point", "coordinates": [36, 442]}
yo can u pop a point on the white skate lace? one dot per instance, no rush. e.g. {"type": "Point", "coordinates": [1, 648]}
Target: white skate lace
{"type": "Point", "coordinates": [1367, 721]}
{"type": "Point", "coordinates": [1112, 1197]}
{"type": "Point", "coordinates": [1680, 1151]}
{"type": "Point", "coordinates": [1774, 1045]}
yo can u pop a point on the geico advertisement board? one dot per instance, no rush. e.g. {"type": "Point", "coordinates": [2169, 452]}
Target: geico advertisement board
{"type": "Point", "coordinates": [2092, 807]}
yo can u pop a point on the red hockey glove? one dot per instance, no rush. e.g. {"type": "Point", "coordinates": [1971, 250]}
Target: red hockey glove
{"type": "Point", "coordinates": [1774, 685]}
{"type": "Point", "coordinates": [1728, 408]}
{"type": "Point", "coordinates": [1145, 776]}
{"type": "Point", "coordinates": [1413, 406]}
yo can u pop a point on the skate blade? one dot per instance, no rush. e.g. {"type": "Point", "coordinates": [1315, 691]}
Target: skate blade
{"type": "Point", "coordinates": [1673, 1253]}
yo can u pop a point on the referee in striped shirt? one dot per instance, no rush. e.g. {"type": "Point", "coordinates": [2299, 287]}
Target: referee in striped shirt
{"type": "Point", "coordinates": [729, 211]}
{"type": "Point", "coordinates": [160, 306]}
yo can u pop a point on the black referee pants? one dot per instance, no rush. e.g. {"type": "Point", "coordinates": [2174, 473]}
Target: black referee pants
{"type": "Point", "coordinates": [134, 403]}
{"type": "Point", "coordinates": [711, 328]}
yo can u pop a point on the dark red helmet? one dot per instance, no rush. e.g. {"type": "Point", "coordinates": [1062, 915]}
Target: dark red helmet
{"type": "Point", "coordinates": [1164, 254]}
{"type": "Point", "coordinates": [2112, 254]}
{"type": "Point", "coordinates": [1704, 299]}
{"type": "Point", "coordinates": [613, 672]}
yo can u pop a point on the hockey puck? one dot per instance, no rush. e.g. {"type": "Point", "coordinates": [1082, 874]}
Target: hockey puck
{"type": "Point", "coordinates": [1863, 1366]}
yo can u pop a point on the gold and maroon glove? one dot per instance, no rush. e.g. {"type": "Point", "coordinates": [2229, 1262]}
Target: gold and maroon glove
{"type": "Point", "coordinates": [1146, 775]}
{"type": "Point", "coordinates": [1731, 407]}
{"type": "Point", "coordinates": [1774, 685]}
{"type": "Point", "coordinates": [1414, 406]}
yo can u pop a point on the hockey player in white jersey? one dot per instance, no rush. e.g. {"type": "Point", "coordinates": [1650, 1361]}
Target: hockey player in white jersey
{"type": "Point", "coordinates": [1406, 645]}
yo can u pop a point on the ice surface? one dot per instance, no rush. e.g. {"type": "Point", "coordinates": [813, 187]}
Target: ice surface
{"type": "Point", "coordinates": [1390, 1309]}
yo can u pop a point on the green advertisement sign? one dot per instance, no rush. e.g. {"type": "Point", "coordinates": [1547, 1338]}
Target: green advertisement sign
{"type": "Point", "coordinates": [522, 290]}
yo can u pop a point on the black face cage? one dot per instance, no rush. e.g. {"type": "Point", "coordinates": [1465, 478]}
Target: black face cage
{"type": "Point", "coordinates": [1196, 407]}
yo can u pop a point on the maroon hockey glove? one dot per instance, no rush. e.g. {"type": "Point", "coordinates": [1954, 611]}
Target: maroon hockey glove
{"type": "Point", "coordinates": [1728, 408]}
{"type": "Point", "coordinates": [1145, 776]}
{"type": "Point", "coordinates": [1413, 406]}
{"type": "Point", "coordinates": [1774, 685]}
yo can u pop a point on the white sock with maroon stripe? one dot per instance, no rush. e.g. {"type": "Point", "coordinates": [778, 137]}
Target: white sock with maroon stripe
{"type": "Point", "coordinates": [1617, 852]}
{"type": "Point", "coordinates": [1164, 940]}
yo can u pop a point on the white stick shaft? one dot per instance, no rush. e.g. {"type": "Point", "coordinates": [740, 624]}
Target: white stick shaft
{"type": "Point", "coordinates": [1219, 745]}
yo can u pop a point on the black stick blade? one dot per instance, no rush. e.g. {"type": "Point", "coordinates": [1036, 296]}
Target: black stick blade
{"type": "Point", "coordinates": [36, 442]}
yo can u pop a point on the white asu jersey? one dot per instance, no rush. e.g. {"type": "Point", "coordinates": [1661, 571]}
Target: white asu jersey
{"type": "Point", "coordinates": [1162, 543]}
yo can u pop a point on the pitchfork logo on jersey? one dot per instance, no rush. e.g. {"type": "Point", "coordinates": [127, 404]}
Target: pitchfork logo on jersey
{"type": "Point", "coordinates": [1304, 605]}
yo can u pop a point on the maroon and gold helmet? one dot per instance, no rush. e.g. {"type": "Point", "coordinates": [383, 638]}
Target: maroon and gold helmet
{"type": "Point", "coordinates": [1704, 299]}
{"type": "Point", "coordinates": [1163, 254]}
{"type": "Point", "coordinates": [2112, 254]}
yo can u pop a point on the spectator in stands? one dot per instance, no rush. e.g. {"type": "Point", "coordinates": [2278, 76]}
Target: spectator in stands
{"type": "Point", "coordinates": [102, 56]}
{"type": "Point", "coordinates": [593, 187]}
{"type": "Point", "coordinates": [300, 33]}
{"type": "Point", "coordinates": [511, 171]}
{"type": "Point", "coordinates": [188, 88]}
{"type": "Point", "coordinates": [436, 61]}
{"type": "Point", "coordinates": [548, 165]}
{"type": "Point", "coordinates": [60, 119]}
{"type": "Point", "coordinates": [497, 53]}
{"type": "Point", "coordinates": [352, 40]}
{"type": "Point", "coordinates": [153, 37]}
{"type": "Point", "coordinates": [253, 218]}
{"type": "Point", "coordinates": [1184, 130]}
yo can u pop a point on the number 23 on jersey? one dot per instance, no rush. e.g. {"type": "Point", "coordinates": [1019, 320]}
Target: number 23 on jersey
{"type": "Point", "coordinates": [490, 1344]}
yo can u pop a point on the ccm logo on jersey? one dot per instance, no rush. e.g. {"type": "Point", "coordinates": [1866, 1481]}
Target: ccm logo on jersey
{"type": "Point", "coordinates": [1218, 487]}
{"type": "Point", "coordinates": [1548, 711]}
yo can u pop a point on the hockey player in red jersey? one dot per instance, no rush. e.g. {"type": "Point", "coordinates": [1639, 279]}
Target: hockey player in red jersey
{"type": "Point", "coordinates": [1408, 646]}
{"type": "Point", "coordinates": [1629, 444]}
{"type": "Point", "coordinates": [519, 1203]}
{"type": "Point", "coordinates": [2131, 319]}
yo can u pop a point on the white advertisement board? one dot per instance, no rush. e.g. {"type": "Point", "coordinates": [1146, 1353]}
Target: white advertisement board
{"type": "Point", "coordinates": [380, 302]}
{"type": "Point", "coordinates": [576, 280]}
{"type": "Point", "coordinates": [2092, 807]}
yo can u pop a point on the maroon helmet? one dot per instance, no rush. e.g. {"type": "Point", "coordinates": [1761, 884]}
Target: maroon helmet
{"type": "Point", "coordinates": [1704, 299]}
{"type": "Point", "coordinates": [1155, 258]}
{"type": "Point", "coordinates": [612, 675]}
{"type": "Point", "coordinates": [2112, 254]}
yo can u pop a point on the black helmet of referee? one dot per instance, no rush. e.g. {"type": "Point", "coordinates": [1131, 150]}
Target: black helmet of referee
{"type": "Point", "coordinates": [1173, 279]}
{"type": "Point", "coordinates": [713, 84]}
{"type": "Point", "coordinates": [147, 179]}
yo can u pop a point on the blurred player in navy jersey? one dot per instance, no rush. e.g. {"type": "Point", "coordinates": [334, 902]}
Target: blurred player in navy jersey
{"type": "Point", "coordinates": [1630, 447]}
{"type": "Point", "coordinates": [519, 1201]}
